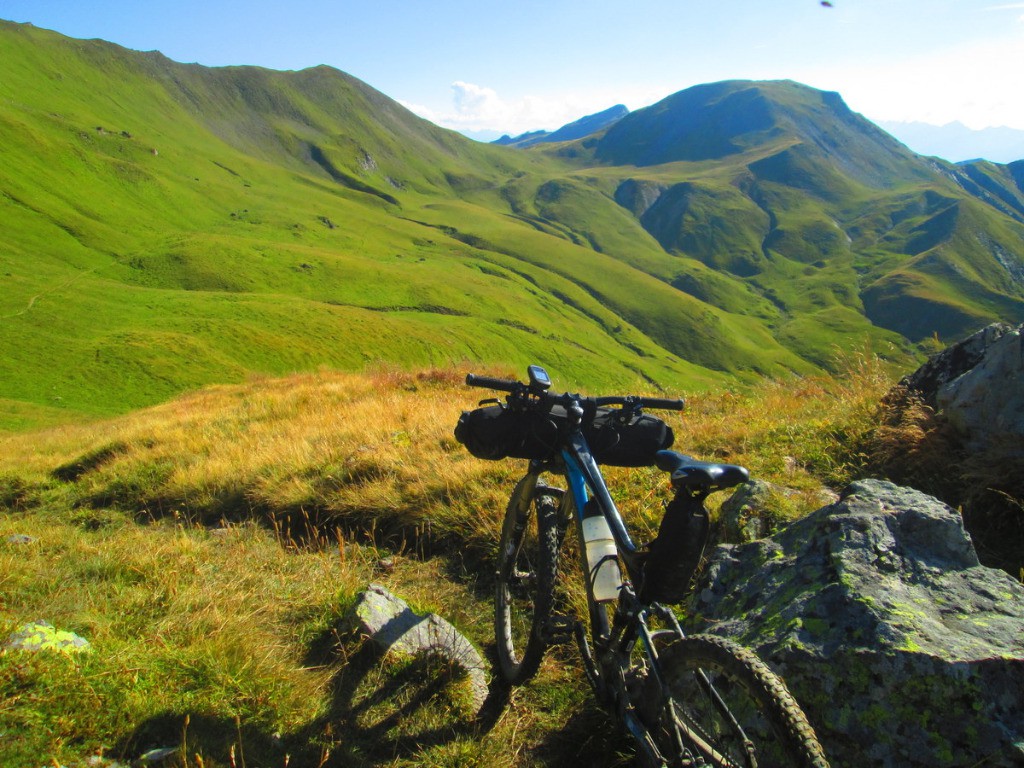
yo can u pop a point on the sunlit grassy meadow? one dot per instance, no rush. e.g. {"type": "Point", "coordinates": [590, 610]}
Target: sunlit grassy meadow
{"type": "Point", "coordinates": [236, 310]}
{"type": "Point", "coordinates": [209, 546]}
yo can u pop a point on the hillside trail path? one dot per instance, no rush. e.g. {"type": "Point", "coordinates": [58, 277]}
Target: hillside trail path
{"type": "Point", "coordinates": [51, 291]}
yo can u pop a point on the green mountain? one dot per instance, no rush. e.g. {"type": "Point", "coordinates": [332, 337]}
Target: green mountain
{"type": "Point", "coordinates": [819, 211]}
{"type": "Point", "coordinates": [165, 226]}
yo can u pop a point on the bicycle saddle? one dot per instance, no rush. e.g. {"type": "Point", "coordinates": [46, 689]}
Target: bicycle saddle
{"type": "Point", "coordinates": [688, 472]}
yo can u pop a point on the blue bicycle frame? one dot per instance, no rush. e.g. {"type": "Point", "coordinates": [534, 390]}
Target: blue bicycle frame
{"type": "Point", "coordinates": [586, 482]}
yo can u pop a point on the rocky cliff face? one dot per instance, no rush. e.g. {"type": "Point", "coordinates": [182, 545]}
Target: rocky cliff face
{"type": "Point", "coordinates": [903, 649]}
{"type": "Point", "coordinates": [985, 404]}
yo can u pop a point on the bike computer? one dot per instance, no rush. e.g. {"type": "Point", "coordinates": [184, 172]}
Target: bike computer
{"type": "Point", "coordinates": [539, 378]}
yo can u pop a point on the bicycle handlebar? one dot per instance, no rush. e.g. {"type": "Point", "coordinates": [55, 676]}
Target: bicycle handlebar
{"type": "Point", "coordinates": [486, 382]}
{"type": "Point", "coordinates": [505, 385]}
{"type": "Point", "coordinates": [663, 403]}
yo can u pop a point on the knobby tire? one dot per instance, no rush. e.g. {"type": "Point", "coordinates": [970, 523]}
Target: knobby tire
{"type": "Point", "coordinates": [776, 728]}
{"type": "Point", "coordinates": [524, 593]}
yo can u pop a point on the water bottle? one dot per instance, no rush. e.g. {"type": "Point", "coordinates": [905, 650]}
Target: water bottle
{"type": "Point", "coordinates": [601, 557]}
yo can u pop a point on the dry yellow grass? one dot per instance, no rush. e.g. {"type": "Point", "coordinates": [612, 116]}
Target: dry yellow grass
{"type": "Point", "coordinates": [375, 453]}
{"type": "Point", "coordinates": [371, 451]}
{"type": "Point", "coordinates": [221, 626]}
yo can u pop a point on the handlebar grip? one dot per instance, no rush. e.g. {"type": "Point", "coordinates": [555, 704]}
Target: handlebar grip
{"type": "Point", "coordinates": [663, 403]}
{"type": "Point", "coordinates": [486, 382]}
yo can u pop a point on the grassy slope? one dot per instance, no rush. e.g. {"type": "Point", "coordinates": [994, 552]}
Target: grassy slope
{"type": "Point", "coordinates": [788, 192]}
{"type": "Point", "coordinates": [170, 233]}
{"type": "Point", "coordinates": [170, 225]}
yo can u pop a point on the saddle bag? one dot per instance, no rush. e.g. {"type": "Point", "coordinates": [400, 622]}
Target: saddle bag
{"type": "Point", "coordinates": [673, 557]}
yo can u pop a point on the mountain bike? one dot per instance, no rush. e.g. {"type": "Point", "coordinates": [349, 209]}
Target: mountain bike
{"type": "Point", "coordinates": [697, 700]}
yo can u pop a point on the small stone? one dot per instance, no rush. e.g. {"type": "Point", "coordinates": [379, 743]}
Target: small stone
{"type": "Point", "coordinates": [20, 538]}
{"type": "Point", "coordinates": [158, 754]}
{"type": "Point", "coordinates": [99, 761]}
{"type": "Point", "coordinates": [43, 636]}
{"type": "Point", "coordinates": [391, 625]}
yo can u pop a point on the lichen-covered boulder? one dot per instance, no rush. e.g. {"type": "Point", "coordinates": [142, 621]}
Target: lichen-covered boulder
{"type": "Point", "coordinates": [902, 648]}
{"type": "Point", "coordinates": [746, 514]}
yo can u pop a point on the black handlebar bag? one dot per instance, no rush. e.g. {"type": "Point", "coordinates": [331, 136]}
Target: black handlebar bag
{"type": "Point", "coordinates": [496, 432]}
{"type": "Point", "coordinates": [630, 443]}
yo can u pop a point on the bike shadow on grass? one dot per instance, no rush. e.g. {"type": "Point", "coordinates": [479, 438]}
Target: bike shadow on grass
{"type": "Point", "coordinates": [387, 706]}
{"type": "Point", "coordinates": [382, 707]}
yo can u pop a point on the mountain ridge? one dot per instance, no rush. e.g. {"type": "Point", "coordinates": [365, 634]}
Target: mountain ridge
{"type": "Point", "coordinates": [957, 143]}
{"type": "Point", "coordinates": [577, 129]}
{"type": "Point", "coordinates": [170, 225]}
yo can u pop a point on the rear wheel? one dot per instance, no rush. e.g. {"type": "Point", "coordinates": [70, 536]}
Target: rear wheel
{"type": "Point", "coordinates": [723, 704]}
{"type": "Point", "coordinates": [524, 593]}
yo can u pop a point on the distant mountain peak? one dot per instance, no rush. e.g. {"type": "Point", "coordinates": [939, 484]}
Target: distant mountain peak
{"type": "Point", "coordinates": [577, 129]}
{"type": "Point", "coordinates": [717, 121]}
{"type": "Point", "coordinates": [958, 143]}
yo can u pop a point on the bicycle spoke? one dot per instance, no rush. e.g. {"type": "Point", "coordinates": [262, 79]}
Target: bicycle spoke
{"type": "Point", "coordinates": [720, 701]}
{"type": "Point", "coordinates": [525, 584]}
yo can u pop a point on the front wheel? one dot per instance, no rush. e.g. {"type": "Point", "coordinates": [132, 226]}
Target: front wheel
{"type": "Point", "coordinates": [720, 702]}
{"type": "Point", "coordinates": [525, 589]}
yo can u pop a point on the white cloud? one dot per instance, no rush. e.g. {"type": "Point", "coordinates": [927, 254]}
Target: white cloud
{"type": "Point", "coordinates": [474, 102]}
{"type": "Point", "coordinates": [477, 108]}
{"type": "Point", "coordinates": [977, 85]}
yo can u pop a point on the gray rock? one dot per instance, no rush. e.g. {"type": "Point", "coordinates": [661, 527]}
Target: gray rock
{"type": "Point", "coordinates": [953, 362]}
{"type": "Point", "coordinates": [902, 648]}
{"type": "Point", "coordinates": [746, 515]}
{"type": "Point", "coordinates": [98, 761]}
{"type": "Point", "coordinates": [986, 403]}
{"type": "Point", "coordinates": [20, 538]}
{"type": "Point", "coordinates": [752, 511]}
{"type": "Point", "coordinates": [389, 623]}
{"type": "Point", "coordinates": [158, 755]}
{"type": "Point", "coordinates": [977, 386]}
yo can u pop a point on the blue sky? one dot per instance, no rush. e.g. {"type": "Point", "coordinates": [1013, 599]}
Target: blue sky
{"type": "Point", "coordinates": [516, 66]}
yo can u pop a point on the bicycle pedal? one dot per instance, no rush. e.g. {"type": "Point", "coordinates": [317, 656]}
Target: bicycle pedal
{"type": "Point", "coordinates": [560, 629]}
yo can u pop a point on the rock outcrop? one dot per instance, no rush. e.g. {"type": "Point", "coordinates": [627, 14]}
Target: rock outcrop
{"type": "Point", "coordinates": [902, 648]}
{"type": "Point", "coordinates": [978, 386]}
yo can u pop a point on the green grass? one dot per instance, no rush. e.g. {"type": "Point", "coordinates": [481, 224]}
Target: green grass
{"type": "Point", "coordinates": [168, 226]}
{"type": "Point", "coordinates": [208, 548]}
{"type": "Point", "coordinates": [206, 263]}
